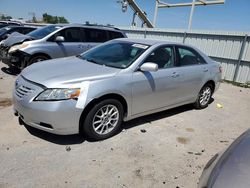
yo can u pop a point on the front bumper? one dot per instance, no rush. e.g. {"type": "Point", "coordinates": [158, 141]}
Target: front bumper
{"type": "Point", "coordinates": [12, 59]}
{"type": "Point", "coordinates": [58, 117]}
{"type": "Point", "coordinates": [4, 57]}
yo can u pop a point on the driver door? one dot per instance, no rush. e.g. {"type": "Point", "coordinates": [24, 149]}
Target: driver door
{"type": "Point", "coordinates": [154, 90]}
{"type": "Point", "coordinates": [72, 44]}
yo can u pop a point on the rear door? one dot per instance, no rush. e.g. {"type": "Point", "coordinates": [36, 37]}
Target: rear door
{"type": "Point", "coordinates": [192, 70]}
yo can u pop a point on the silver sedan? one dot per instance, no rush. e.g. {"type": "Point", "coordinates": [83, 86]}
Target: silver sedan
{"type": "Point", "coordinates": [114, 82]}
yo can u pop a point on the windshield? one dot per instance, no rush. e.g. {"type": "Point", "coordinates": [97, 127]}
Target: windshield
{"type": "Point", "coordinates": [43, 32]}
{"type": "Point", "coordinates": [116, 54]}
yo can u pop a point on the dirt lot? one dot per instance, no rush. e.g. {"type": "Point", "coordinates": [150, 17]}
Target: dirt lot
{"type": "Point", "coordinates": [171, 153]}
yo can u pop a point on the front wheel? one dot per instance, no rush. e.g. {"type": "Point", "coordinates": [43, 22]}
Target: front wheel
{"type": "Point", "coordinates": [204, 97]}
{"type": "Point", "coordinates": [36, 59]}
{"type": "Point", "coordinates": [103, 120]}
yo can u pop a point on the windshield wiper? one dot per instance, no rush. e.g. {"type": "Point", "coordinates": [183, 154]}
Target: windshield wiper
{"type": "Point", "coordinates": [79, 56]}
{"type": "Point", "coordinates": [92, 61]}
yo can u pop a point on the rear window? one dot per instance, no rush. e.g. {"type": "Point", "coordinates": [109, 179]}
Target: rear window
{"type": "Point", "coordinates": [115, 35]}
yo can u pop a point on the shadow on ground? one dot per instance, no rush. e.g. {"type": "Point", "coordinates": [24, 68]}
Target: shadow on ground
{"type": "Point", "coordinates": [56, 139]}
{"type": "Point", "coordinates": [156, 116]}
{"type": "Point", "coordinates": [78, 139]}
{"type": "Point", "coordinates": [11, 70]}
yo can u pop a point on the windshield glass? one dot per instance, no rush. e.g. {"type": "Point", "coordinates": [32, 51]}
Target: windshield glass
{"type": "Point", "coordinates": [43, 32]}
{"type": "Point", "coordinates": [116, 54]}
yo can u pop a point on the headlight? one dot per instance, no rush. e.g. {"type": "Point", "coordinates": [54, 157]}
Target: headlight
{"type": "Point", "coordinates": [58, 94]}
{"type": "Point", "coordinates": [18, 47]}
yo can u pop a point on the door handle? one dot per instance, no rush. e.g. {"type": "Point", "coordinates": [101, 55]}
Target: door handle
{"type": "Point", "coordinates": [175, 75]}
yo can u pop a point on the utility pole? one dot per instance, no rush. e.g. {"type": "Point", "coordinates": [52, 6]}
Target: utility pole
{"type": "Point", "coordinates": [161, 4]}
{"type": "Point", "coordinates": [191, 15]}
{"type": "Point", "coordinates": [137, 12]}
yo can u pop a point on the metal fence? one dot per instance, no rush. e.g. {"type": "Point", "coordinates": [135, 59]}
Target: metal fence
{"type": "Point", "coordinates": [231, 49]}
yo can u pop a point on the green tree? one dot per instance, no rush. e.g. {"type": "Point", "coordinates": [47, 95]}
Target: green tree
{"type": "Point", "coordinates": [54, 19]}
{"type": "Point", "coordinates": [2, 17]}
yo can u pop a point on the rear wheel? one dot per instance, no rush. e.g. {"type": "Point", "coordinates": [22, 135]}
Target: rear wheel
{"type": "Point", "coordinates": [204, 96]}
{"type": "Point", "coordinates": [103, 120]}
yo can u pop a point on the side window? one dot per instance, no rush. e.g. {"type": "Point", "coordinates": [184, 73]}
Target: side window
{"type": "Point", "coordinates": [27, 30]}
{"type": "Point", "coordinates": [115, 35]}
{"type": "Point", "coordinates": [163, 56]}
{"type": "Point", "coordinates": [189, 57]}
{"type": "Point", "coordinates": [23, 30]}
{"type": "Point", "coordinates": [69, 34]}
{"type": "Point", "coordinates": [95, 35]}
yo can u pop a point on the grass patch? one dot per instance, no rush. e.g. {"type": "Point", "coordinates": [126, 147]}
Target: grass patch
{"type": "Point", "coordinates": [245, 85]}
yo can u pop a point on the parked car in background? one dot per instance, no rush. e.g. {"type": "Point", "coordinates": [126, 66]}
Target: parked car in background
{"type": "Point", "coordinates": [18, 38]}
{"type": "Point", "coordinates": [117, 81]}
{"type": "Point", "coordinates": [8, 23]}
{"type": "Point", "coordinates": [66, 41]}
{"type": "Point", "coordinates": [6, 31]}
{"type": "Point", "coordinates": [231, 168]}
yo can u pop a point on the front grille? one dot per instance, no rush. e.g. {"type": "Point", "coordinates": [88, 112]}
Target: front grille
{"type": "Point", "coordinates": [24, 87]}
{"type": "Point", "coordinates": [22, 90]}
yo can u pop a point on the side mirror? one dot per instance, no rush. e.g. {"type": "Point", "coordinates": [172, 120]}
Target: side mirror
{"type": "Point", "coordinates": [59, 39]}
{"type": "Point", "coordinates": [148, 66]}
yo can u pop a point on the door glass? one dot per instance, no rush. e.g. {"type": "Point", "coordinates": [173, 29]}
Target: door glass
{"type": "Point", "coordinates": [70, 34]}
{"type": "Point", "coordinates": [95, 35]}
{"type": "Point", "coordinates": [114, 35]}
{"type": "Point", "coordinates": [163, 57]}
{"type": "Point", "coordinates": [189, 57]}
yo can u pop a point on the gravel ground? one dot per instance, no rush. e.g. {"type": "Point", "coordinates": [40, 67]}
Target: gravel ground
{"type": "Point", "coordinates": [167, 149]}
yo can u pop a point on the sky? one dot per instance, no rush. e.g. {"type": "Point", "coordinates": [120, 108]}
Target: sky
{"type": "Point", "coordinates": [234, 15]}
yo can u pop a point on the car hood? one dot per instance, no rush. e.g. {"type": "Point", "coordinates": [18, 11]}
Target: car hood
{"type": "Point", "coordinates": [15, 38]}
{"type": "Point", "coordinates": [65, 71]}
{"type": "Point", "coordinates": [233, 169]}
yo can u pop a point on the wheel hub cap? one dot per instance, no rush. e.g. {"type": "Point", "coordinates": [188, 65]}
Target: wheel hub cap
{"type": "Point", "coordinates": [105, 119]}
{"type": "Point", "coordinates": [205, 96]}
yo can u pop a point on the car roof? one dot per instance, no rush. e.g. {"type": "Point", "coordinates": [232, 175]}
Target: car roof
{"type": "Point", "coordinates": [92, 26]}
{"type": "Point", "coordinates": [150, 42]}
{"type": "Point", "coordinates": [10, 22]}
{"type": "Point", "coordinates": [18, 26]}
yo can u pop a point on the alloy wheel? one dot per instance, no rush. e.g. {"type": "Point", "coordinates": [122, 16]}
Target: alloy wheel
{"type": "Point", "coordinates": [105, 119]}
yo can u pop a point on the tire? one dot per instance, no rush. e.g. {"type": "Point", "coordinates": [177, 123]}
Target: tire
{"type": "Point", "coordinates": [36, 59]}
{"type": "Point", "coordinates": [204, 97]}
{"type": "Point", "coordinates": [101, 122]}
